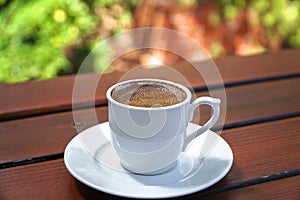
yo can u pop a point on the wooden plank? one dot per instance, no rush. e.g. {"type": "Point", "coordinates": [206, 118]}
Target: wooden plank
{"type": "Point", "coordinates": [265, 66]}
{"type": "Point", "coordinates": [288, 188]}
{"type": "Point", "coordinates": [259, 151]}
{"type": "Point", "coordinates": [254, 102]}
{"type": "Point", "coordinates": [36, 97]}
{"type": "Point", "coordinates": [264, 149]}
{"type": "Point", "coordinates": [49, 134]}
{"type": "Point", "coordinates": [51, 180]}
{"type": "Point", "coordinates": [45, 184]}
{"type": "Point", "coordinates": [255, 147]}
{"type": "Point", "coordinates": [43, 135]}
{"type": "Point", "coordinates": [47, 180]}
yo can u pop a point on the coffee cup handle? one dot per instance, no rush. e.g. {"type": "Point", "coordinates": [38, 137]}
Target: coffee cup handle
{"type": "Point", "coordinates": [215, 104]}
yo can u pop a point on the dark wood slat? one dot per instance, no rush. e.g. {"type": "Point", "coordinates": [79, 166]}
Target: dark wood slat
{"type": "Point", "coordinates": [47, 180]}
{"type": "Point", "coordinates": [36, 97]}
{"type": "Point", "coordinates": [43, 135]}
{"type": "Point", "coordinates": [263, 149]}
{"type": "Point", "coordinates": [254, 102]}
{"type": "Point", "coordinates": [49, 134]}
{"type": "Point", "coordinates": [288, 188]}
{"type": "Point", "coordinates": [264, 66]}
{"type": "Point", "coordinates": [259, 151]}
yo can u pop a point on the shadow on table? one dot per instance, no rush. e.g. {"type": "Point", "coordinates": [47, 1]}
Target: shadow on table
{"type": "Point", "coordinates": [90, 194]}
{"type": "Point", "coordinates": [216, 191]}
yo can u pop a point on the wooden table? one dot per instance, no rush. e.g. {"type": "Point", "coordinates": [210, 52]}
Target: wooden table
{"type": "Point", "coordinates": [262, 127]}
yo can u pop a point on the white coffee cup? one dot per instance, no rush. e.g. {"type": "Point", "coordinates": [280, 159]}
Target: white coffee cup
{"type": "Point", "coordinates": [149, 140]}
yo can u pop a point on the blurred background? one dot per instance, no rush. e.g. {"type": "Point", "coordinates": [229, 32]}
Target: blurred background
{"type": "Point", "coordinates": [41, 39]}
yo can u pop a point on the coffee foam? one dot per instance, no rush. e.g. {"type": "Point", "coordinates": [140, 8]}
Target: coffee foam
{"type": "Point", "coordinates": [148, 94]}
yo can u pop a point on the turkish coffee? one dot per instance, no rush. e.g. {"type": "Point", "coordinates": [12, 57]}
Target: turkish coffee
{"type": "Point", "coordinates": [147, 93]}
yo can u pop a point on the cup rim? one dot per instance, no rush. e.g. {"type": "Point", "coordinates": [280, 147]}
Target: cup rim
{"type": "Point", "coordinates": [185, 89]}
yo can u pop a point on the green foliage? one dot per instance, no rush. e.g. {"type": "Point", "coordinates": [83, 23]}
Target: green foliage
{"type": "Point", "coordinates": [216, 49]}
{"type": "Point", "coordinates": [36, 33]}
{"type": "Point", "coordinates": [280, 18]}
{"type": "Point", "coordinates": [186, 3]}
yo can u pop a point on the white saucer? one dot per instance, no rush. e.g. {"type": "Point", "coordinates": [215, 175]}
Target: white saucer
{"type": "Point", "coordinates": [91, 159]}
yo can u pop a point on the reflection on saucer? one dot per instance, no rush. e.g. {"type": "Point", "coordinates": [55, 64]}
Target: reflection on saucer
{"type": "Point", "coordinates": [91, 159]}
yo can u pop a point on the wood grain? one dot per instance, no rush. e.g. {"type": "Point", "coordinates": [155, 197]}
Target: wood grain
{"type": "Point", "coordinates": [259, 67]}
{"type": "Point", "coordinates": [288, 188]}
{"type": "Point", "coordinates": [43, 135]}
{"type": "Point", "coordinates": [49, 134]}
{"type": "Point", "coordinates": [264, 149]}
{"type": "Point", "coordinates": [262, 127]}
{"type": "Point", "coordinates": [259, 151]}
{"type": "Point", "coordinates": [40, 97]}
{"type": "Point", "coordinates": [268, 100]}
